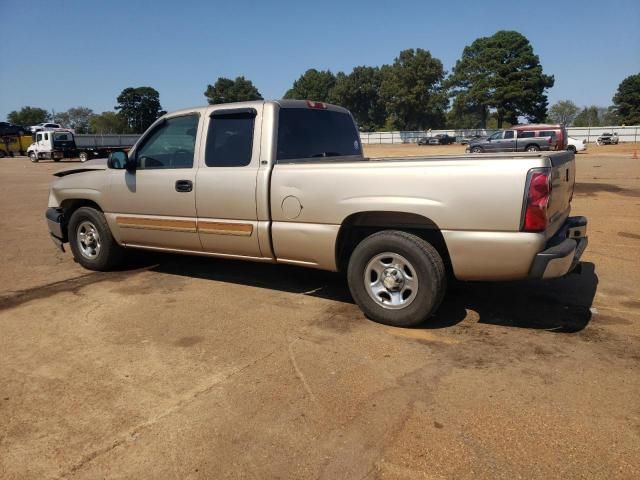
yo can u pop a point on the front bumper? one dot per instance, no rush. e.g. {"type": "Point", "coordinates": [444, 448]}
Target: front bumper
{"type": "Point", "coordinates": [563, 250]}
{"type": "Point", "coordinates": [57, 226]}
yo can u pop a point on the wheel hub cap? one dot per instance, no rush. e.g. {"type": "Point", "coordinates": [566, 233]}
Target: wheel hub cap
{"type": "Point", "coordinates": [392, 279]}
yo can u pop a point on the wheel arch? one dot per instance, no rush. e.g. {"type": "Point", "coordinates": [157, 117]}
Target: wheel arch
{"type": "Point", "coordinates": [358, 226]}
{"type": "Point", "coordinates": [70, 205]}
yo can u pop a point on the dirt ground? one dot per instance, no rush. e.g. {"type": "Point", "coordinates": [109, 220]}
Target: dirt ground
{"type": "Point", "coordinates": [180, 367]}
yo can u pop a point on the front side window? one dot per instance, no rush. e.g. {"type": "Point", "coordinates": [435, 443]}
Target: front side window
{"type": "Point", "coordinates": [306, 133]}
{"type": "Point", "coordinates": [230, 139]}
{"type": "Point", "coordinates": [170, 145]}
{"type": "Point", "coordinates": [38, 137]}
{"type": "Point", "coordinates": [496, 136]}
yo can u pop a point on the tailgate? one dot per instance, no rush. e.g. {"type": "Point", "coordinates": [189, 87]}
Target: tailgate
{"type": "Point", "coordinates": [563, 174]}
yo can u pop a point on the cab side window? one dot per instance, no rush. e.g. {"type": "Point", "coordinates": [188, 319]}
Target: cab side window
{"type": "Point", "coordinates": [230, 138]}
{"type": "Point", "coordinates": [508, 134]}
{"type": "Point", "coordinates": [548, 133]}
{"type": "Point", "coordinates": [38, 137]}
{"type": "Point", "coordinates": [496, 136]}
{"type": "Point", "coordinates": [170, 145]}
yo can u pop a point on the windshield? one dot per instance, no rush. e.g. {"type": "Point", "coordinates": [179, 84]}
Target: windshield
{"type": "Point", "coordinates": [306, 133]}
{"type": "Point", "coordinates": [61, 137]}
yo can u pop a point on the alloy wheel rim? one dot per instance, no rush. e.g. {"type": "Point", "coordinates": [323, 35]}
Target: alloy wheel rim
{"type": "Point", "coordinates": [391, 281]}
{"type": "Point", "coordinates": [88, 239]}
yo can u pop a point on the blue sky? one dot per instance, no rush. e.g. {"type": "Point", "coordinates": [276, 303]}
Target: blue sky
{"type": "Point", "coordinates": [62, 54]}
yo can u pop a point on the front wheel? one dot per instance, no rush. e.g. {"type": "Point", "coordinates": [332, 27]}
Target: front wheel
{"type": "Point", "coordinates": [34, 157]}
{"type": "Point", "coordinates": [533, 148]}
{"type": "Point", "coordinates": [91, 241]}
{"type": "Point", "coordinates": [572, 149]}
{"type": "Point", "coordinates": [84, 156]}
{"type": "Point", "coordinates": [396, 278]}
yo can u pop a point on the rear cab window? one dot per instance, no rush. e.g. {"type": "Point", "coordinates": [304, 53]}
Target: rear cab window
{"type": "Point", "coordinates": [306, 134]}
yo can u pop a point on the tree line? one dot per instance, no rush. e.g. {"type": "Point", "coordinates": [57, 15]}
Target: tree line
{"type": "Point", "coordinates": [497, 81]}
{"type": "Point", "coordinates": [136, 110]}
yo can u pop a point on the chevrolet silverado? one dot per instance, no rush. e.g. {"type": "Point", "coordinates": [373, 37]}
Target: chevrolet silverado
{"type": "Point", "coordinates": [286, 182]}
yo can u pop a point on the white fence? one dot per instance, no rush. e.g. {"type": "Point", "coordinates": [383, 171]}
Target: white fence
{"type": "Point", "coordinates": [590, 134]}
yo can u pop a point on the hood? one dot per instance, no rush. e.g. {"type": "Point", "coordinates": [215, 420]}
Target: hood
{"type": "Point", "coordinates": [97, 164]}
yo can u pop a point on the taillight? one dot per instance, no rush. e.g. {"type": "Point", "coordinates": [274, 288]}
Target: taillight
{"type": "Point", "coordinates": [318, 105]}
{"type": "Point", "coordinates": [538, 194]}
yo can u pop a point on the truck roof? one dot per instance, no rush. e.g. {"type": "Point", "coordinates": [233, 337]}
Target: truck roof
{"type": "Point", "coordinates": [256, 103]}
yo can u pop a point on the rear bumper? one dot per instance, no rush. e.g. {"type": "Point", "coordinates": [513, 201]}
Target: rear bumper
{"type": "Point", "coordinates": [563, 251]}
{"type": "Point", "coordinates": [56, 223]}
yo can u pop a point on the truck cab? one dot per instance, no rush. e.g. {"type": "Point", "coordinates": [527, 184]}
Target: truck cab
{"type": "Point", "coordinates": [54, 144]}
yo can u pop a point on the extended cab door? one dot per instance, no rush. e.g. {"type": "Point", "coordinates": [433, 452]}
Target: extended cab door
{"type": "Point", "coordinates": [155, 205]}
{"type": "Point", "coordinates": [504, 141]}
{"type": "Point", "coordinates": [226, 179]}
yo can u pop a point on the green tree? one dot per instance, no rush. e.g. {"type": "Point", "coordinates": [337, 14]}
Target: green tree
{"type": "Point", "coordinates": [312, 85]}
{"type": "Point", "coordinates": [564, 112]}
{"type": "Point", "coordinates": [226, 90]}
{"type": "Point", "coordinates": [627, 100]}
{"type": "Point", "coordinates": [77, 118]}
{"type": "Point", "coordinates": [610, 116]}
{"type": "Point", "coordinates": [588, 117]}
{"type": "Point", "coordinates": [28, 116]}
{"type": "Point", "coordinates": [501, 72]}
{"type": "Point", "coordinates": [359, 92]}
{"type": "Point", "coordinates": [411, 90]}
{"type": "Point", "coordinates": [107, 123]}
{"type": "Point", "coordinates": [139, 108]}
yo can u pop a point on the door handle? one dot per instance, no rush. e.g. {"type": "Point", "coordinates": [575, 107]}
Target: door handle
{"type": "Point", "coordinates": [184, 185]}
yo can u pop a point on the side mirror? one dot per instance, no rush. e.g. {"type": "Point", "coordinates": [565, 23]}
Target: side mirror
{"type": "Point", "coordinates": [119, 160]}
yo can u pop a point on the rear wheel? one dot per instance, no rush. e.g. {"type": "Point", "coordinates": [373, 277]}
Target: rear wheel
{"type": "Point", "coordinates": [476, 150]}
{"type": "Point", "coordinates": [532, 148]}
{"type": "Point", "coordinates": [572, 148]}
{"type": "Point", "coordinates": [34, 157]}
{"type": "Point", "coordinates": [84, 156]}
{"type": "Point", "coordinates": [396, 278]}
{"type": "Point", "coordinates": [91, 241]}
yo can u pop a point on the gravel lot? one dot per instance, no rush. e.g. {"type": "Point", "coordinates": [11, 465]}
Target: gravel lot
{"type": "Point", "coordinates": [180, 367]}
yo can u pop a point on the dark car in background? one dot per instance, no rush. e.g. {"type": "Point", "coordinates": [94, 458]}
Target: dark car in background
{"type": "Point", "coordinates": [9, 129]}
{"type": "Point", "coordinates": [440, 139]}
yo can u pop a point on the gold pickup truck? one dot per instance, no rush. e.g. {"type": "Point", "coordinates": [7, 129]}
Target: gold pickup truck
{"type": "Point", "coordinates": [286, 182]}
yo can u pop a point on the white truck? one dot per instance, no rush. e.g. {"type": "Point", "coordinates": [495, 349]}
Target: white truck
{"type": "Point", "coordinates": [56, 144]}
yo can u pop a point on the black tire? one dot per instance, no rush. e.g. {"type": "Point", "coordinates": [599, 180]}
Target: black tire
{"type": "Point", "coordinates": [2, 153]}
{"type": "Point", "coordinates": [426, 266]}
{"type": "Point", "coordinates": [532, 148]}
{"type": "Point", "coordinates": [56, 159]}
{"type": "Point", "coordinates": [477, 150]}
{"type": "Point", "coordinates": [108, 255]}
{"type": "Point", "coordinates": [34, 157]}
{"type": "Point", "coordinates": [83, 156]}
{"type": "Point", "coordinates": [572, 148]}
